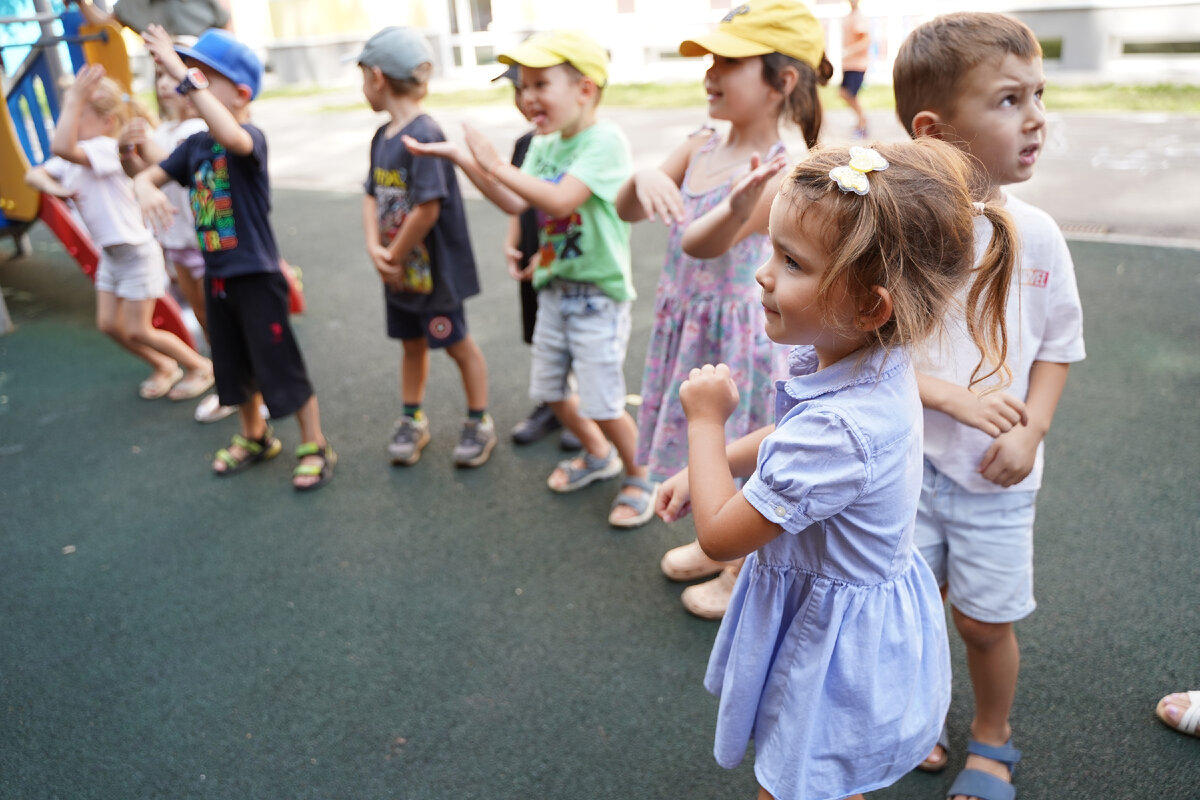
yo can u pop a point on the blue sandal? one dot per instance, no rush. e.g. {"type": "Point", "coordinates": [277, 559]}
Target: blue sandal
{"type": "Point", "coordinates": [642, 503]}
{"type": "Point", "coordinates": [591, 470]}
{"type": "Point", "coordinates": [976, 783]}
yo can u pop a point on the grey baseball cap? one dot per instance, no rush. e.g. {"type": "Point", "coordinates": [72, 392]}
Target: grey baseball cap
{"type": "Point", "coordinates": [396, 51]}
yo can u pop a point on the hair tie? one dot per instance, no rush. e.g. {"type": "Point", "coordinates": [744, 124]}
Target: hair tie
{"type": "Point", "coordinates": [853, 176]}
{"type": "Point", "coordinates": [979, 207]}
{"type": "Point", "coordinates": [125, 98]}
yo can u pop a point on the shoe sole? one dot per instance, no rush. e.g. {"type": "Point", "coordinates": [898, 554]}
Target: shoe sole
{"type": "Point", "coordinates": [480, 459]}
{"type": "Point", "coordinates": [416, 456]}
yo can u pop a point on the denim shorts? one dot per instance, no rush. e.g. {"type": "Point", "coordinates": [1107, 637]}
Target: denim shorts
{"type": "Point", "coordinates": [132, 271]}
{"type": "Point", "coordinates": [580, 329]}
{"type": "Point", "coordinates": [979, 545]}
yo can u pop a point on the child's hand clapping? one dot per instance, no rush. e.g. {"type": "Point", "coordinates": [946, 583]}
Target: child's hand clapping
{"type": "Point", "coordinates": [659, 195]}
{"type": "Point", "coordinates": [481, 149]}
{"type": "Point", "coordinates": [709, 394]}
{"type": "Point", "coordinates": [747, 191]}
{"type": "Point", "coordinates": [446, 150]}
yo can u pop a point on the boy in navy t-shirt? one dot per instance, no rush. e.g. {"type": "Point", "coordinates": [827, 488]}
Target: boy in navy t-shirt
{"type": "Point", "coordinates": [416, 236]}
{"type": "Point", "coordinates": [255, 355]}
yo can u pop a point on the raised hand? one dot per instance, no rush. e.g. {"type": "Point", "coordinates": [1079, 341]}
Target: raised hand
{"type": "Point", "coordinates": [446, 150]}
{"type": "Point", "coordinates": [481, 149]}
{"type": "Point", "coordinates": [162, 49]}
{"type": "Point", "coordinates": [709, 394]}
{"type": "Point", "coordinates": [748, 190]}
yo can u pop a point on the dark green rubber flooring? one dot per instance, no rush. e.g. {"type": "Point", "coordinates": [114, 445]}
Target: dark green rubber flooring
{"type": "Point", "coordinates": [432, 633]}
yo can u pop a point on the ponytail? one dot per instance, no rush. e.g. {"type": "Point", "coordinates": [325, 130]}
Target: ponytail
{"type": "Point", "coordinates": [988, 296]}
{"type": "Point", "coordinates": [802, 105]}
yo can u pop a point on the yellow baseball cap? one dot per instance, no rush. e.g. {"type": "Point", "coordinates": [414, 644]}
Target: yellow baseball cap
{"type": "Point", "coordinates": [550, 48]}
{"type": "Point", "coordinates": [760, 27]}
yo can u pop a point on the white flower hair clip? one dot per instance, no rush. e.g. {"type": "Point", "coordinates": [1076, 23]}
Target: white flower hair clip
{"type": "Point", "coordinates": [853, 176]}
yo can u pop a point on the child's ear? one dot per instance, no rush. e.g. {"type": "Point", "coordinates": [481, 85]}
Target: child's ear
{"type": "Point", "coordinates": [875, 312]}
{"type": "Point", "coordinates": [588, 90]}
{"type": "Point", "coordinates": [928, 123]}
{"type": "Point", "coordinates": [790, 78]}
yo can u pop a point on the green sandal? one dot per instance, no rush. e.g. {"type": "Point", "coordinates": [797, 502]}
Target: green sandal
{"type": "Point", "coordinates": [322, 472]}
{"type": "Point", "coordinates": [255, 450]}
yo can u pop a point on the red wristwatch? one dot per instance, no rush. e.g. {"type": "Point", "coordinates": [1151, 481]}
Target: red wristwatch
{"type": "Point", "coordinates": [193, 79]}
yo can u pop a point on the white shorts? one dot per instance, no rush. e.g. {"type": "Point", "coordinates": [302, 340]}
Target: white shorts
{"type": "Point", "coordinates": [979, 546]}
{"type": "Point", "coordinates": [132, 271]}
{"type": "Point", "coordinates": [580, 329]}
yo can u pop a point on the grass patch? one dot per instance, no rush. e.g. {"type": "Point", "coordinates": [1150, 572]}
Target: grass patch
{"type": "Point", "coordinates": [1163, 97]}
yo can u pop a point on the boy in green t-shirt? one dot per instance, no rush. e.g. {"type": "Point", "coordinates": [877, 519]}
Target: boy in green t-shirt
{"type": "Point", "coordinates": [571, 175]}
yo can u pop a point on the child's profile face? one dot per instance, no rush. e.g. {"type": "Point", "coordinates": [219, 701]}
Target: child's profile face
{"type": "Point", "coordinates": [999, 117]}
{"type": "Point", "coordinates": [554, 98]}
{"type": "Point", "coordinates": [797, 311]}
{"type": "Point", "coordinates": [372, 87]}
{"type": "Point", "coordinates": [736, 90]}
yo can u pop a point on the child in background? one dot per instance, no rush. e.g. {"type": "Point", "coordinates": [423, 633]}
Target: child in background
{"type": "Point", "coordinates": [255, 352]}
{"type": "Point", "coordinates": [131, 277]}
{"type": "Point", "coordinates": [766, 64]}
{"type": "Point", "coordinates": [141, 146]}
{"type": "Point", "coordinates": [856, 53]}
{"type": "Point", "coordinates": [833, 655]}
{"type": "Point", "coordinates": [571, 175]}
{"type": "Point", "coordinates": [975, 80]}
{"type": "Point", "coordinates": [416, 234]}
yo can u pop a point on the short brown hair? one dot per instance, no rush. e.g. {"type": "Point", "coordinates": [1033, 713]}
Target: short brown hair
{"type": "Point", "coordinates": [937, 55]}
{"type": "Point", "coordinates": [913, 234]}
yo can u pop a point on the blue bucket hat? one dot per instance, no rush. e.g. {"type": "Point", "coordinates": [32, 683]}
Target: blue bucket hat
{"type": "Point", "coordinates": [235, 60]}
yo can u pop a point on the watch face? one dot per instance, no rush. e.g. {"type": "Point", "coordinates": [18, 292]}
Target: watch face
{"type": "Point", "coordinates": [197, 78]}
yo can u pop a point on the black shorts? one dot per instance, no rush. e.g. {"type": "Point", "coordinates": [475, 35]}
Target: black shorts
{"type": "Point", "coordinates": [438, 328]}
{"type": "Point", "coordinates": [852, 81]}
{"type": "Point", "coordinates": [253, 347]}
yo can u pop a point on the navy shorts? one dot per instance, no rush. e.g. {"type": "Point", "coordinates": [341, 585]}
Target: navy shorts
{"type": "Point", "coordinates": [253, 346]}
{"type": "Point", "coordinates": [439, 328]}
{"type": "Point", "coordinates": [852, 81]}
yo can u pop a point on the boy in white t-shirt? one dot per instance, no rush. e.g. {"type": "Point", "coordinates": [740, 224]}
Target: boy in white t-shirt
{"type": "Point", "coordinates": [975, 79]}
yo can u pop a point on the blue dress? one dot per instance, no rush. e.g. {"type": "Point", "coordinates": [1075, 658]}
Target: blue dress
{"type": "Point", "coordinates": [833, 654]}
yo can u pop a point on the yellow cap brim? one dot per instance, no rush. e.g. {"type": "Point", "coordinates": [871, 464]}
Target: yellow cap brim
{"type": "Point", "coordinates": [532, 56]}
{"type": "Point", "coordinates": [720, 43]}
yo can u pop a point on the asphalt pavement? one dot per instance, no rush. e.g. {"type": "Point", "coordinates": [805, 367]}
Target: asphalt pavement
{"type": "Point", "coordinates": [432, 632]}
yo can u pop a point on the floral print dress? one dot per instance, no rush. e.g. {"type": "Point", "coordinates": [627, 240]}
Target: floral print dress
{"type": "Point", "coordinates": [706, 311]}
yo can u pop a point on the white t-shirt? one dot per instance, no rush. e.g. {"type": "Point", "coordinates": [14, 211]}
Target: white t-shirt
{"type": "Point", "coordinates": [182, 233]}
{"type": "Point", "coordinates": [103, 193]}
{"type": "Point", "coordinates": [1045, 323]}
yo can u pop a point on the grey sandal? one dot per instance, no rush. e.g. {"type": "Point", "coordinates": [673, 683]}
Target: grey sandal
{"type": "Point", "coordinates": [642, 504]}
{"type": "Point", "coordinates": [593, 469]}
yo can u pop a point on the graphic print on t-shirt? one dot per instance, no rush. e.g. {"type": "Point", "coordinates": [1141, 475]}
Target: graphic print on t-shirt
{"type": "Point", "coordinates": [391, 198]}
{"type": "Point", "coordinates": [560, 235]}
{"type": "Point", "coordinates": [212, 205]}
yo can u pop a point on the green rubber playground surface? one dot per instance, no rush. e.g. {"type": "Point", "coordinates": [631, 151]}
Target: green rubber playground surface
{"type": "Point", "coordinates": [432, 633]}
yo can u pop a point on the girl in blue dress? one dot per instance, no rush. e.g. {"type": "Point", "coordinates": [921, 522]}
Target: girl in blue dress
{"type": "Point", "coordinates": [833, 655]}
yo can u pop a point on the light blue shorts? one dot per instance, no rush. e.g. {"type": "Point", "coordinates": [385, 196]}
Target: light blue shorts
{"type": "Point", "coordinates": [132, 271]}
{"type": "Point", "coordinates": [979, 545]}
{"type": "Point", "coordinates": [580, 329]}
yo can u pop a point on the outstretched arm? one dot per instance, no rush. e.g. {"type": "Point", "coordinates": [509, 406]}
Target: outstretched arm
{"type": "Point", "coordinates": [744, 212]}
{"type": "Point", "coordinates": [155, 205]}
{"type": "Point", "coordinates": [222, 124]}
{"type": "Point", "coordinates": [557, 200]}
{"type": "Point", "coordinates": [39, 178]}
{"type": "Point", "coordinates": [506, 200]}
{"type": "Point", "coordinates": [727, 526]}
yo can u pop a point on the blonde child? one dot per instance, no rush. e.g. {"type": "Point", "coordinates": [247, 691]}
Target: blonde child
{"type": "Point", "coordinates": [416, 236]}
{"type": "Point", "coordinates": [571, 175]}
{"type": "Point", "coordinates": [976, 81]}
{"type": "Point", "coordinates": [130, 277]}
{"type": "Point", "coordinates": [833, 655]}
{"type": "Point", "coordinates": [255, 351]}
{"type": "Point", "coordinates": [766, 64]}
{"type": "Point", "coordinates": [143, 145]}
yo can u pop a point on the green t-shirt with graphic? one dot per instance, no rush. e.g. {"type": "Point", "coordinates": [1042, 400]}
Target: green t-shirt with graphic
{"type": "Point", "coordinates": [592, 245]}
